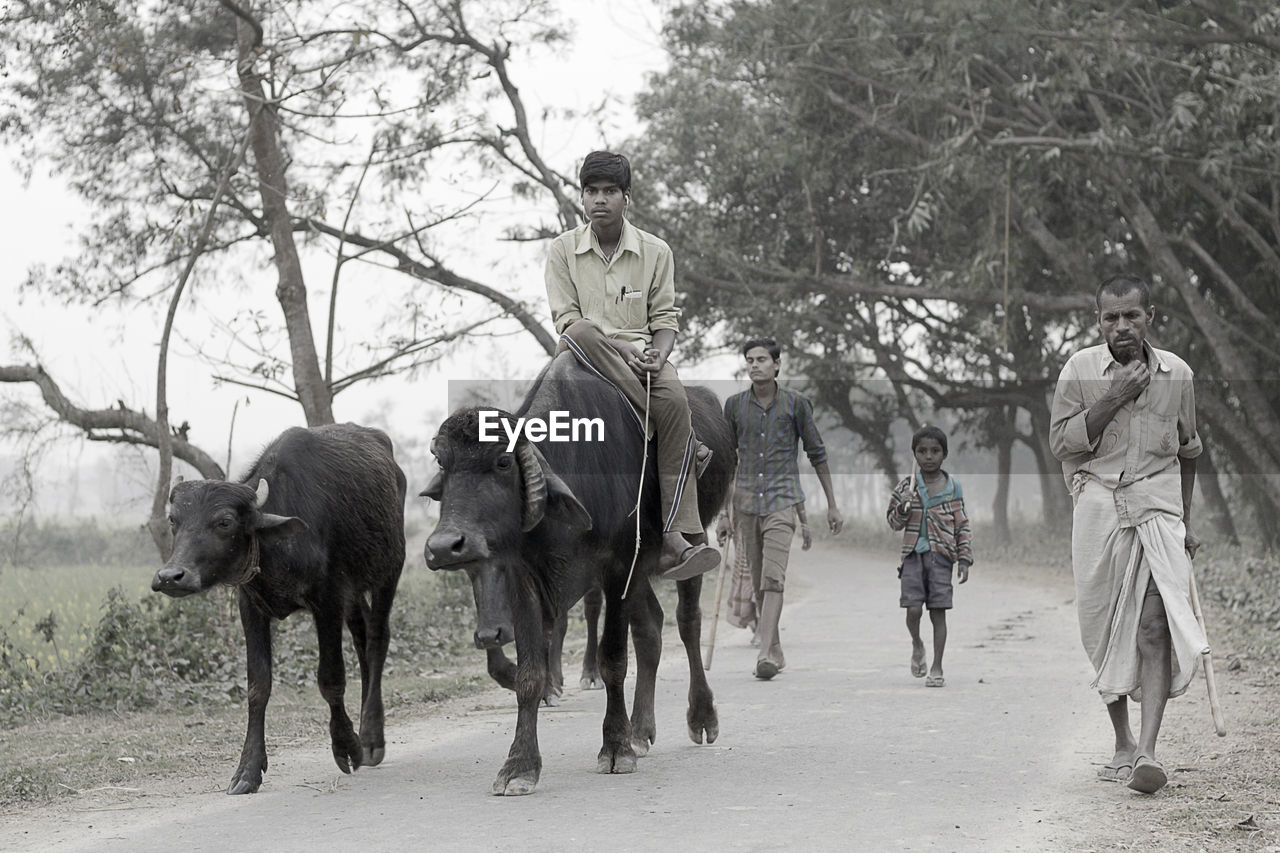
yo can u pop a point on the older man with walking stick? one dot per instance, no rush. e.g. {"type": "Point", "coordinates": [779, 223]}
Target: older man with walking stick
{"type": "Point", "coordinates": [1124, 426]}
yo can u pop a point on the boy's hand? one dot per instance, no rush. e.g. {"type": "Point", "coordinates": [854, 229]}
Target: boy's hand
{"type": "Point", "coordinates": [962, 572]}
{"type": "Point", "coordinates": [835, 521]}
{"type": "Point", "coordinates": [649, 361]}
{"type": "Point", "coordinates": [723, 531]}
{"type": "Point", "coordinates": [806, 538]}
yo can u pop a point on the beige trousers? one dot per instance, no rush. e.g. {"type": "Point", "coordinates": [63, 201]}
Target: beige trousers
{"type": "Point", "coordinates": [668, 414]}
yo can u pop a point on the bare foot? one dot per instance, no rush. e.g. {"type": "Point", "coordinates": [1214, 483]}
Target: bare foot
{"type": "Point", "coordinates": [917, 659]}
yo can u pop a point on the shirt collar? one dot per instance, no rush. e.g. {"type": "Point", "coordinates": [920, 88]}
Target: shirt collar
{"type": "Point", "coordinates": [1154, 358]}
{"type": "Point", "coordinates": [628, 242]}
{"type": "Point", "coordinates": [777, 392]}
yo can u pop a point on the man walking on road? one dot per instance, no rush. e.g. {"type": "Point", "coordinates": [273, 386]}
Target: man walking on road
{"type": "Point", "coordinates": [1124, 426]}
{"type": "Point", "coordinates": [769, 423]}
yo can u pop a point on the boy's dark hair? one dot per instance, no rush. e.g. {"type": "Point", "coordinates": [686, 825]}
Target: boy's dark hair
{"type": "Point", "coordinates": [929, 432]}
{"type": "Point", "coordinates": [1121, 284]}
{"type": "Point", "coordinates": [606, 166]}
{"type": "Point", "coordinates": [766, 343]}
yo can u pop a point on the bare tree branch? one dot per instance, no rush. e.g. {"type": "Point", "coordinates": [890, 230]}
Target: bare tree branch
{"type": "Point", "coordinates": [134, 427]}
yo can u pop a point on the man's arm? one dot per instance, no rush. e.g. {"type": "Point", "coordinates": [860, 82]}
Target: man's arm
{"type": "Point", "coordinates": [562, 295]}
{"type": "Point", "coordinates": [1189, 449]}
{"type": "Point", "coordinates": [806, 535]}
{"type": "Point", "coordinates": [835, 520]}
{"type": "Point", "coordinates": [817, 453]}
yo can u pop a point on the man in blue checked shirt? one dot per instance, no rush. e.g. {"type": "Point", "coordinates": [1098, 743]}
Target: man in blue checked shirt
{"type": "Point", "coordinates": [769, 424]}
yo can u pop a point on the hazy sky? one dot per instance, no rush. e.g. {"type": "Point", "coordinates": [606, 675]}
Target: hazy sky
{"type": "Point", "coordinates": [100, 355]}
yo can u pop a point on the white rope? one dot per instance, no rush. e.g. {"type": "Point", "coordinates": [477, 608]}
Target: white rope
{"type": "Point", "coordinates": [644, 458]}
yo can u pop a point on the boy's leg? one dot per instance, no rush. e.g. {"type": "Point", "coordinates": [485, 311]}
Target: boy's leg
{"type": "Point", "coordinates": [938, 598]}
{"type": "Point", "coordinates": [753, 548]}
{"type": "Point", "coordinates": [777, 531]}
{"type": "Point", "coordinates": [939, 620]}
{"type": "Point", "coordinates": [685, 550]}
{"type": "Point", "coordinates": [914, 612]}
{"type": "Point", "coordinates": [911, 575]}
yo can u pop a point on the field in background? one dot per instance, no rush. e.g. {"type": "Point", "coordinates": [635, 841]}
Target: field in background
{"type": "Point", "coordinates": [50, 612]}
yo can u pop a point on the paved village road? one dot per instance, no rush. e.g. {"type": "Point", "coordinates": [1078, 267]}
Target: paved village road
{"type": "Point", "coordinates": [842, 751]}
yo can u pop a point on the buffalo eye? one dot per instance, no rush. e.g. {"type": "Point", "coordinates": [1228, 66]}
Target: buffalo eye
{"type": "Point", "coordinates": [224, 523]}
{"type": "Point", "coordinates": [173, 524]}
{"type": "Point", "coordinates": [504, 462]}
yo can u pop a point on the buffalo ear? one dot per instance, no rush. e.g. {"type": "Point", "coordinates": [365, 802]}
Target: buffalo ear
{"type": "Point", "coordinates": [564, 506]}
{"type": "Point", "coordinates": [434, 489]}
{"type": "Point", "coordinates": [278, 525]}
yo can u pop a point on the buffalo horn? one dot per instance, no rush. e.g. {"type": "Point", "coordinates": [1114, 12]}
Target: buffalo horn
{"type": "Point", "coordinates": [261, 497]}
{"type": "Point", "coordinates": [535, 486]}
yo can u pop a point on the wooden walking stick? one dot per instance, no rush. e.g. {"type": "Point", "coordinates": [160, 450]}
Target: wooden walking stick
{"type": "Point", "coordinates": [715, 621]}
{"type": "Point", "coordinates": [1219, 724]}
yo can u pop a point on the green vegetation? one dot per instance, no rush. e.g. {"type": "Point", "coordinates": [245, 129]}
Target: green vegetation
{"type": "Point", "coordinates": [83, 647]}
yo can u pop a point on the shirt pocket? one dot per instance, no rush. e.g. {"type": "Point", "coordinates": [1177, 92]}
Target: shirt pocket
{"type": "Point", "coordinates": [784, 428]}
{"type": "Point", "coordinates": [1161, 434]}
{"type": "Point", "coordinates": [626, 306]}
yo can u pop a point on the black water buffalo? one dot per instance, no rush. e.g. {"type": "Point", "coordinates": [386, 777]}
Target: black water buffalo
{"type": "Point", "coordinates": [534, 528]}
{"type": "Point", "coordinates": [323, 531]}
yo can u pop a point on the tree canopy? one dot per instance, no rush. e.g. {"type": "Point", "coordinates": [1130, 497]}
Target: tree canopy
{"type": "Point", "coordinates": [219, 142]}
{"type": "Point", "coordinates": [920, 198]}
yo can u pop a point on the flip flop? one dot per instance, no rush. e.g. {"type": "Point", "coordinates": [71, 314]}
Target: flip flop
{"type": "Point", "coordinates": [1116, 772]}
{"type": "Point", "coordinates": [935, 681]}
{"type": "Point", "coordinates": [693, 561]}
{"type": "Point", "coordinates": [1148, 775]}
{"type": "Point", "coordinates": [917, 665]}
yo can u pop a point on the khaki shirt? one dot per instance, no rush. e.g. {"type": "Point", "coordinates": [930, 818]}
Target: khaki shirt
{"type": "Point", "coordinates": [630, 297]}
{"type": "Point", "coordinates": [1136, 455]}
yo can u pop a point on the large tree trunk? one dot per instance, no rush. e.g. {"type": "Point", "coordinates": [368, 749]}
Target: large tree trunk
{"type": "Point", "coordinates": [1054, 498]}
{"type": "Point", "coordinates": [313, 392]}
{"type": "Point", "coordinates": [1000, 506]}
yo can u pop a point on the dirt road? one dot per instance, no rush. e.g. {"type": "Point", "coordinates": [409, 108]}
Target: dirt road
{"type": "Point", "coordinates": [842, 751]}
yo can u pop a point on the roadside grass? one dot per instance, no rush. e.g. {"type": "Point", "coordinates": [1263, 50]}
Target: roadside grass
{"type": "Point", "coordinates": [159, 685]}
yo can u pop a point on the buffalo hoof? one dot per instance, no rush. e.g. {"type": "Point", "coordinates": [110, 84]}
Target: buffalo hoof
{"type": "Point", "coordinates": [622, 761]}
{"type": "Point", "coordinates": [348, 757]}
{"type": "Point", "coordinates": [373, 757]}
{"type": "Point", "coordinates": [703, 724]}
{"type": "Point", "coordinates": [640, 746]}
{"type": "Point", "coordinates": [247, 778]}
{"type": "Point", "coordinates": [517, 787]}
{"type": "Point", "coordinates": [711, 731]}
{"type": "Point", "coordinates": [551, 700]}
{"type": "Point", "coordinates": [591, 682]}
{"type": "Point", "coordinates": [245, 782]}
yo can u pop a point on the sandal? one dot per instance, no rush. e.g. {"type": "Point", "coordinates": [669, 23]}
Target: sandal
{"type": "Point", "coordinates": [1148, 775]}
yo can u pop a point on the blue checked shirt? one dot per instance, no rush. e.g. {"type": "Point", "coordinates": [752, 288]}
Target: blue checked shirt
{"type": "Point", "coordinates": [768, 449]}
